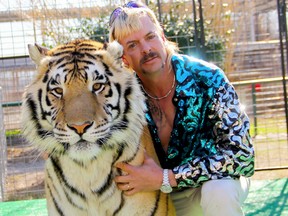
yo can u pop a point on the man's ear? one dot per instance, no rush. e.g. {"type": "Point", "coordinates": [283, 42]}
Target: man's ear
{"type": "Point", "coordinates": [163, 36]}
{"type": "Point", "coordinates": [125, 61]}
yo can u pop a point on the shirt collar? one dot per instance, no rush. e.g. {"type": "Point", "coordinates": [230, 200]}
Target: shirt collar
{"type": "Point", "coordinates": [184, 75]}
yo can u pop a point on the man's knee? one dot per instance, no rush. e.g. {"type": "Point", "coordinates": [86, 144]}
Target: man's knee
{"type": "Point", "coordinates": [220, 190]}
{"type": "Point", "coordinates": [222, 196]}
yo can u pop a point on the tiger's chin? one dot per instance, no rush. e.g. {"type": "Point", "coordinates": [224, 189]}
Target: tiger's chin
{"type": "Point", "coordinates": [83, 145]}
{"type": "Point", "coordinates": [75, 148]}
{"type": "Point", "coordinates": [84, 151]}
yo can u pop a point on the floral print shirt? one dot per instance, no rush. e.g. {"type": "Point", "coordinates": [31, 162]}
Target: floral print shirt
{"type": "Point", "coordinates": [210, 137]}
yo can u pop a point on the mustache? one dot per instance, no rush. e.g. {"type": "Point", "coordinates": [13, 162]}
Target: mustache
{"type": "Point", "coordinates": [148, 56]}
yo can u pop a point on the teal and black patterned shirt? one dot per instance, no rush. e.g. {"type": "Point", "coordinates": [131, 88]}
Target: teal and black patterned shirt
{"type": "Point", "coordinates": [210, 137]}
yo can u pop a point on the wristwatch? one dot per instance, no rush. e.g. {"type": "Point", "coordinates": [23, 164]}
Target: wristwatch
{"type": "Point", "coordinates": [166, 187]}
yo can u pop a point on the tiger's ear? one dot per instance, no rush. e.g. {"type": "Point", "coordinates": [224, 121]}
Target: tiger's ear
{"type": "Point", "coordinates": [37, 53]}
{"type": "Point", "coordinates": [116, 50]}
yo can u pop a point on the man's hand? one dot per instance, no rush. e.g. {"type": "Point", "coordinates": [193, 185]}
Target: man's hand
{"type": "Point", "coordinates": [147, 177]}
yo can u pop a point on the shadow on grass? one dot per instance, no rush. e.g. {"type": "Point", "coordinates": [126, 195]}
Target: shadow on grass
{"type": "Point", "coordinates": [267, 198]}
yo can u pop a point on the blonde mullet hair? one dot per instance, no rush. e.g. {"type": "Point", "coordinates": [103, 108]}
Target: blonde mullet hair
{"type": "Point", "coordinates": [128, 21]}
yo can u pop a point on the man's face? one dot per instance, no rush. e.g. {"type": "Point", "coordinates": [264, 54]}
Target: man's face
{"type": "Point", "coordinates": [144, 50]}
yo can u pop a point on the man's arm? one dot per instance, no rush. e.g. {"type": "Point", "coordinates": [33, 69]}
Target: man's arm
{"type": "Point", "coordinates": [235, 152]}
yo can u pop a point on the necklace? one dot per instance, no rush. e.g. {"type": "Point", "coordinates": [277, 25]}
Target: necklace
{"type": "Point", "coordinates": [165, 96]}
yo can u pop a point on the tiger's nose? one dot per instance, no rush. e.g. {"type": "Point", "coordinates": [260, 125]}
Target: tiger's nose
{"type": "Point", "coordinates": [80, 128]}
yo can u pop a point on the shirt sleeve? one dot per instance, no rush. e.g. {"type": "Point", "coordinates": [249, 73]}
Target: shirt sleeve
{"type": "Point", "coordinates": [234, 150]}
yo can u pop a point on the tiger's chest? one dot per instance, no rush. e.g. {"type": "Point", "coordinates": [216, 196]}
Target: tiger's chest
{"type": "Point", "coordinates": [79, 189]}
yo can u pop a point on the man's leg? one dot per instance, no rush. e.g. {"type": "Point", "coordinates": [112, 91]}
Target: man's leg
{"type": "Point", "coordinates": [224, 197]}
{"type": "Point", "coordinates": [214, 198]}
{"type": "Point", "coordinates": [187, 202]}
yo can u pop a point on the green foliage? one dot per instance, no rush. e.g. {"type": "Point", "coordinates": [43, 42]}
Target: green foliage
{"type": "Point", "coordinates": [95, 29]}
{"type": "Point", "coordinates": [179, 27]}
{"type": "Point", "coordinates": [10, 133]}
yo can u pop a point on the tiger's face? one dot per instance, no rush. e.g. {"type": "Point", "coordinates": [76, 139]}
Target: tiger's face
{"type": "Point", "coordinates": [82, 101]}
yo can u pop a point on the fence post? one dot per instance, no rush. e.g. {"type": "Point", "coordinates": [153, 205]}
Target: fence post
{"type": "Point", "coordinates": [3, 152]}
{"type": "Point", "coordinates": [281, 8]}
{"type": "Point", "coordinates": [254, 109]}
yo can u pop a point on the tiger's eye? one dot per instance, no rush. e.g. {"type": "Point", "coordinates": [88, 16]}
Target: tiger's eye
{"type": "Point", "coordinates": [97, 86]}
{"type": "Point", "coordinates": [58, 91]}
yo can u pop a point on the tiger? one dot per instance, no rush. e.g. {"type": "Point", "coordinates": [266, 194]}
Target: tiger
{"type": "Point", "coordinates": [86, 111]}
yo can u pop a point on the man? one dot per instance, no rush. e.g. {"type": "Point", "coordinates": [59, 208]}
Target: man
{"type": "Point", "coordinates": [200, 133]}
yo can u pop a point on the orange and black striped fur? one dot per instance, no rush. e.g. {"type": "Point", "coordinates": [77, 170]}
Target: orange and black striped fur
{"type": "Point", "coordinates": [86, 111]}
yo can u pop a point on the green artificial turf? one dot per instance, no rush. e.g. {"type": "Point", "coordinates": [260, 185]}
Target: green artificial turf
{"type": "Point", "coordinates": [266, 198]}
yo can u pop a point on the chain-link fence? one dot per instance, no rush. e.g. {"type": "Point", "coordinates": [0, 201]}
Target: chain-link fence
{"type": "Point", "coordinates": [240, 36]}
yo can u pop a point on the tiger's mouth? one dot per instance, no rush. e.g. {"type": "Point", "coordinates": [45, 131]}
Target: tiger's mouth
{"type": "Point", "coordinates": [83, 145]}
